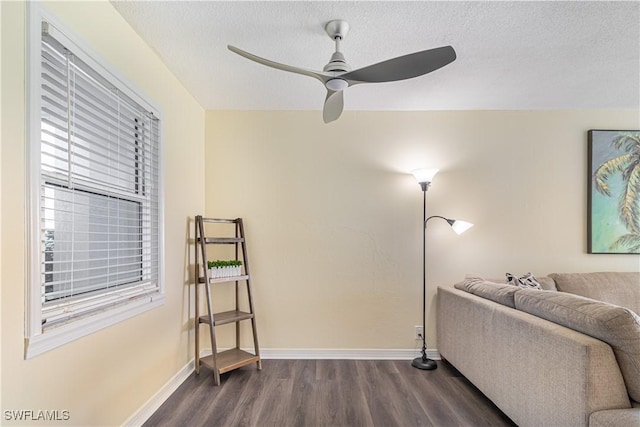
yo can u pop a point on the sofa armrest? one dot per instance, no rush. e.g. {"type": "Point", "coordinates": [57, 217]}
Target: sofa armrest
{"type": "Point", "coordinates": [615, 418]}
{"type": "Point", "coordinates": [537, 372]}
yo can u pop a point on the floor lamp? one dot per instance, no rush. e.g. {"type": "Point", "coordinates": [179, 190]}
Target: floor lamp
{"type": "Point", "coordinates": [424, 178]}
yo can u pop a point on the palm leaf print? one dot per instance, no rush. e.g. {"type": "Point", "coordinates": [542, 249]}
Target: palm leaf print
{"type": "Point", "coordinates": [630, 241]}
{"type": "Point", "coordinates": [627, 166]}
{"type": "Point", "coordinates": [609, 168]}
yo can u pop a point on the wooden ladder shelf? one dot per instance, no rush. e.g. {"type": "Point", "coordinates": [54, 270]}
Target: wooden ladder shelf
{"type": "Point", "coordinates": [223, 361]}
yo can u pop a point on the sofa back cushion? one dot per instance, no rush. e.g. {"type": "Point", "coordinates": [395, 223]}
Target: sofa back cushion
{"type": "Point", "coordinates": [617, 288]}
{"type": "Point", "coordinates": [547, 283]}
{"type": "Point", "coordinates": [617, 326]}
{"type": "Point", "coordinates": [497, 292]}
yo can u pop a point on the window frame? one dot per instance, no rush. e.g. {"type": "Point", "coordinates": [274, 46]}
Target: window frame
{"type": "Point", "coordinates": [38, 341]}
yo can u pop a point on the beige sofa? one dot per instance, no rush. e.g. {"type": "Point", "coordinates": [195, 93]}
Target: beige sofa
{"type": "Point", "coordinates": [553, 357]}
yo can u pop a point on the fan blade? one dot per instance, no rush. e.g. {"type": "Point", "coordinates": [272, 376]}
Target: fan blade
{"type": "Point", "coordinates": [403, 67]}
{"type": "Point", "coordinates": [333, 105]}
{"type": "Point", "coordinates": [315, 74]}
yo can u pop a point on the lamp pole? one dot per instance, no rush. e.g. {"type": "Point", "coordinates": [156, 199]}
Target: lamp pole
{"type": "Point", "coordinates": [424, 362]}
{"type": "Point", "coordinates": [424, 178]}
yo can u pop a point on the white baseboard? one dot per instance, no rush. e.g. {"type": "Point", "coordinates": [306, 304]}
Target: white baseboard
{"type": "Point", "coordinates": [152, 405]}
{"type": "Point", "coordinates": [345, 354]}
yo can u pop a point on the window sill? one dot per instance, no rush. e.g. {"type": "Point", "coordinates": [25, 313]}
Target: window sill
{"type": "Point", "coordinates": [64, 334]}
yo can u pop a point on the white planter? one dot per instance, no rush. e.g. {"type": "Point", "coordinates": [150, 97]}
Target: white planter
{"type": "Point", "coordinates": [229, 271]}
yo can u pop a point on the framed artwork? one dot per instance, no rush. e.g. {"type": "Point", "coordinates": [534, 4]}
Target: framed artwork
{"type": "Point", "coordinates": [613, 218]}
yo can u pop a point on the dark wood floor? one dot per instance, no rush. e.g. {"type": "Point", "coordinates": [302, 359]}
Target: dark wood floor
{"type": "Point", "coordinates": [330, 393]}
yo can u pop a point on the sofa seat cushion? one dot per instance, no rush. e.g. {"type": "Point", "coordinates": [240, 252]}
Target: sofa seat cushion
{"type": "Point", "coordinates": [617, 288]}
{"type": "Point", "coordinates": [496, 292]}
{"type": "Point", "coordinates": [617, 326]}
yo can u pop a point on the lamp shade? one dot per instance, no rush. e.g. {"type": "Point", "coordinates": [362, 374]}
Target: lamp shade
{"type": "Point", "coordinates": [424, 175]}
{"type": "Point", "coordinates": [461, 226]}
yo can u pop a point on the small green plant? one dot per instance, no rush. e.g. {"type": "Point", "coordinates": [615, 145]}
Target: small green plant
{"type": "Point", "coordinates": [220, 268]}
{"type": "Point", "coordinates": [220, 263]}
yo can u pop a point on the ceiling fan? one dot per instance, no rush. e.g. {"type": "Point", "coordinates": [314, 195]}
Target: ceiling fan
{"type": "Point", "coordinates": [337, 74]}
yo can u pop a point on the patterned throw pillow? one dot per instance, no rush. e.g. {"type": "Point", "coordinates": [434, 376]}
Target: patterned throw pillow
{"type": "Point", "coordinates": [528, 281]}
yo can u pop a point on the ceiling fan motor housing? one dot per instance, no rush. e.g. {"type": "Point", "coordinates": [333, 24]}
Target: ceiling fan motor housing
{"type": "Point", "coordinates": [337, 64]}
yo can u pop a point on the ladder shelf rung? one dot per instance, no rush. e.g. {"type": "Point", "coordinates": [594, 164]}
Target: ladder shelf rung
{"type": "Point", "coordinates": [220, 220]}
{"type": "Point", "coordinates": [225, 279]}
{"type": "Point", "coordinates": [229, 360]}
{"type": "Point", "coordinates": [222, 240]}
{"type": "Point", "coordinates": [227, 317]}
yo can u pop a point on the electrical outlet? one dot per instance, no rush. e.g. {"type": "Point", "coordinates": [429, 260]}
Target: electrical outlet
{"type": "Point", "coordinates": [419, 333]}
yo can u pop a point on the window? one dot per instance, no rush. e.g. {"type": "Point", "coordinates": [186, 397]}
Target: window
{"type": "Point", "coordinates": [96, 195]}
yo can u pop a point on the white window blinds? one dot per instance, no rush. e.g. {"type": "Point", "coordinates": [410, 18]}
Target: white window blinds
{"type": "Point", "coordinates": [99, 189]}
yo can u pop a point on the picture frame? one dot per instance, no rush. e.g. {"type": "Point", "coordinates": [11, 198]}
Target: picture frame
{"type": "Point", "coordinates": [613, 212]}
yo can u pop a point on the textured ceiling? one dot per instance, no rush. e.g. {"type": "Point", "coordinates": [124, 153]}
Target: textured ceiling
{"type": "Point", "coordinates": [511, 55]}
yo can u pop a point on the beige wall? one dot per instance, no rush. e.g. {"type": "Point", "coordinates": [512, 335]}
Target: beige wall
{"type": "Point", "coordinates": [104, 378]}
{"type": "Point", "coordinates": [334, 217]}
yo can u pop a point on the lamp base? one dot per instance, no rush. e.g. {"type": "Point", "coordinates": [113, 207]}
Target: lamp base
{"type": "Point", "coordinates": [424, 363]}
